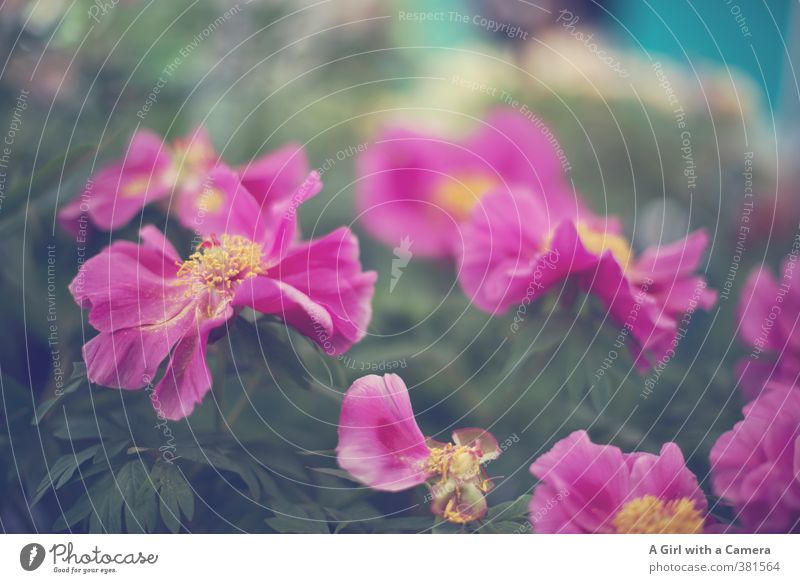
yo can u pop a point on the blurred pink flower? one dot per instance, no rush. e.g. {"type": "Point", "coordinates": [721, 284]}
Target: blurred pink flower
{"type": "Point", "coordinates": [586, 488]}
{"type": "Point", "coordinates": [148, 304]}
{"type": "Point", "coordinates": [381, 445]}
{"type": "Point", "coordinates": [515, 252]}
{"type": "Point", "coordinates": [152, 170]}
{"type": "Point", "coordinates": [755, 466]}
{"type": "Point", "coordinates": [768, 313]}
{"type": "Point", "coordinates": [423, 186]}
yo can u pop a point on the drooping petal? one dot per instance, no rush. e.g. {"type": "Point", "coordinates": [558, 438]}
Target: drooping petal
{"type": "Point", "coordinates": [187, 378]}
{"type": "Point", "coordinates": [379, 441]}
{"type": "Point", "coordinates": [128, 285]}
{"type": "Point", "coordinates": [320, 289]}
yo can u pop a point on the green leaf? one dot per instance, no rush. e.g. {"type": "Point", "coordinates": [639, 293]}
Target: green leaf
{"type": "Point", "coordinates": [62, 471]}
{"type": "Point", "coordinates": [174, 492]}
{"type": "Point", "coordinates": [297, 518]}
{"type": "Point", "coordinates": [140, 508]}
{"type": "Point", "coordinates": [79, 511]}
{"type": "Point", "coordinates": [442, 526]}
{"type": "Point", "coordinates": [508, 511]}
{"type": "Point", "coordinates": [505, 527]}
{"type": "Point", "coordinates": [52, 173]}
{"type": "Point", "coordinates": [336, 472]}
{"type": "Point", "coordinates": [76, 380]}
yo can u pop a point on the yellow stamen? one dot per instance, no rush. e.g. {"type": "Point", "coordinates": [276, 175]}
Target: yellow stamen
{"type": "Point", "coordinates": [597, 242]}
{"type": "Point", "coordinates": [221, 265]}
{"type": "Point", "coordinates": [210, 200]}
{"type": "Point", "coordinates": [651, 515]}
{"type": "Point", "coordinates": [135, 187]}
{"type": "Point", "coordinates": [460, 194]}
{"type": "Point", "coordinates": [459, 462]}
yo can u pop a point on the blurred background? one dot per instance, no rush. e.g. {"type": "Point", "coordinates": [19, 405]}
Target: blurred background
{"type": "Point", "coordinates": [620, 84]}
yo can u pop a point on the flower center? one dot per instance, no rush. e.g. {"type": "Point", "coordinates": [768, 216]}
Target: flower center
{"type": "Point", "coordinates": [135, 187]}
{"type": "Point", "coordinates": [460, 194]}
{"type": "Point", "coordinates": [652, 515]}
{"type": "Point", "coordinates": [459, 462]}
{"type": "Point", "coordinates": [220, 265]}
{"type": "Point", "coordinates": [190, 163]}
{"type": "Point", "coordinates": [210, 200]}
{"type": "Point", "coordinates": [597, 242]}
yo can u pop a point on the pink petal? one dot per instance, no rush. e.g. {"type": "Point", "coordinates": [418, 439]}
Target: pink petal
{"type": "Point", "coordinates": [129, 358]}
{"type": "Point", "coordinates": [187, 378]}
{"type": "Point", "coordinates": [320, 289]}
{"type": "Point", "coordinates": [666, 262]}
{"type": "Point", "coordinates": [593, 481]}
{"type": "Point", "coordinates": [275, 176]}
{"type": "Point", "coordinates": [664, 476]}
{"type": "Point", "coordinates": [116, 193]}
{"type": "Point", "coordinates": [222, 205]}
{"type": "Point", "coordinates": [756, 302]}
{"type": "Point", "coordinates": [380, 443]}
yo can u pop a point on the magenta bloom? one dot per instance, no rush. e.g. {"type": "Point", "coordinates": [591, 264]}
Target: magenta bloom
{"type": "Point", "coordinates": [515, 252]}
{"type": "Point", "coordinates": [149, 304]}
{"type": "Point", "coordinates": [768, 317]}
{"type": "Point", "coordinates": [381, 445]}
{"type": "Point", "coordinates": [755, 466]}
{"type": "Point", "coordinates": [586, 488]}
{"type": "Point", "coordinates": [424, 186]}
{"type": "Point", "coordinates": [152, 170]}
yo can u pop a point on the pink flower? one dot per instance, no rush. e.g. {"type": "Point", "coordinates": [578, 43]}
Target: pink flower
{"type": "Point", "coordinates": [768, 317]}
{"type": "Point", "coordinates": [152, 171]}
{"type": "Point", "coordinates": [756, 465]}
{"type": "Point", "coordinates": [587, 488]}
{"type": "Point", "coordinates": [381, 445]}
{"type": "Point", "coordinates": [148, 304]}
{"type": "Point", "coordinates": [424, 186]}
{"type": "Point", "coordinates": [515, 252]}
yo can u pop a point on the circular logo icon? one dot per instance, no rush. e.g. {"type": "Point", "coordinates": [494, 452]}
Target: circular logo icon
{"type": "Point", "coordinates": [31, 556]}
